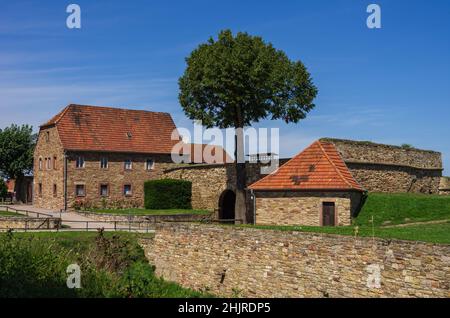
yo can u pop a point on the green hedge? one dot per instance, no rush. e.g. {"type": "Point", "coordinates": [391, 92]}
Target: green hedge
{"type": "Point", "coordinates": [168, 194]}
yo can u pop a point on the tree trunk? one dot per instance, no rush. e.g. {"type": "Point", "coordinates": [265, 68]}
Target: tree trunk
{"type": "Point", "coordinates": [241, 176]}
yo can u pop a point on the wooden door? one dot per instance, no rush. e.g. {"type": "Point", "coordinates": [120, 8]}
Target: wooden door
{"type": "Point", "coordinates": [328, 214]}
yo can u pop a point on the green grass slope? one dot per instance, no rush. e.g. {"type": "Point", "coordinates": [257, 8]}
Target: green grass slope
{"type": "Point", "coordinates": [390, 209]}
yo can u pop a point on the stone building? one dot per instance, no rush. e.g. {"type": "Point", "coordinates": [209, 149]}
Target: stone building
{"type": "Point", "coordinates": [314, 188]}
{"type": "Point", "coordinates": [101, 156]}
{"type": "Point", "coordinates": [376, 167]}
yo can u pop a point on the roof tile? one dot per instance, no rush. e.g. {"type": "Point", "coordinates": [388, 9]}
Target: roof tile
{"type": "Point", "coordinates": [318, 167]}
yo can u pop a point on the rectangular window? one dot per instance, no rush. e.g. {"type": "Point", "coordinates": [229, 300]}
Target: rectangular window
{"type": "Point", "coordinates": [55, 193]}
{"type": "Point", "coordinates": [79, 162]}
{"type": "Point", "coordinates": [54, 162]}
{"type": "Point", "coordinates": [127, 190]}
{"type": "Point", "coordinates": [80, 190]}
{"type": "Point", "coordinates": [40, 189]}
{"type": "Point", "coordinates": [128, 164]}
{"type": "Point", "coordinates": [49, 163]}
{"type": "Point", "coordinates": [40, 163]}
{"type": "Point", "coordinates": [47, 136]}
{"type": "Point", "coordinates": [104, 190]}
{"type": "Point", "coordinates": [149, 164]}
{"type": "Point", "coordinates": [104, 163]}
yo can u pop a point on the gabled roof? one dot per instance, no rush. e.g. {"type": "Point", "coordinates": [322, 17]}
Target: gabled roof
{"type": "Point", "coordinates": [318, 167]}
{"type": "Point", "coordinates": [94, 128]}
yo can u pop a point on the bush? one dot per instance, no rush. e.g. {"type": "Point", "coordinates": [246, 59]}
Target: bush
{"type": "Point", "coordinates": [3, 189]}
{"type": "Point", "coordinates": [34, 266]}
{"type": "Point", "coordinates": [168, 194]}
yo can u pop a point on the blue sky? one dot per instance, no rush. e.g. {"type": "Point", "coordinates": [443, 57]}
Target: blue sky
{"type": "Point", "coordinates": [390, 85]}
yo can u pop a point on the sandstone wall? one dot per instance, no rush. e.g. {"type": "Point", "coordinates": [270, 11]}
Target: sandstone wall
{"type": "Point", "coordinates": [230, 261]}
{"type": "Point", "coordinates": [209, 181]}
{"type": "Point", "coordinates": [23, 223]}
{"type": "Point", "coordinates": [303, 208]}
{"type": "Point", "coordinates": [104, 217]}
{"type": "Point", "coordinates": [444, 187]}
{"type": "Point", "coordinates": [387, 168]}
{"type": "Point", "coordinates": [115, 176]}
{"type": "Point", "coordinates": [393, 179]}
{"type": "Point", "coordinates": [51, 148]}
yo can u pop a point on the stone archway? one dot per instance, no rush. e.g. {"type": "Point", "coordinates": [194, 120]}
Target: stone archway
{"type": "Point", "coordinates": [227, 202]}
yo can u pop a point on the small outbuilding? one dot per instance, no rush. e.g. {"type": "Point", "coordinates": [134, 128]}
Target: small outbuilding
{"type": "Point", "coordinates": [314, 188]}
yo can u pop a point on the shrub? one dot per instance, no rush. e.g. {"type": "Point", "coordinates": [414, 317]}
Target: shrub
{"type": "Point", "coordinates": [168, 194]}
{"type": "Point", "coordinates": [35, 266]}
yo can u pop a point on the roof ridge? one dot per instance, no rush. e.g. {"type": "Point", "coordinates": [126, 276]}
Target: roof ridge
{"type": "Point", "coordinates": [118, 108]}
{"type": "Point", "coordinates": [332, 163]}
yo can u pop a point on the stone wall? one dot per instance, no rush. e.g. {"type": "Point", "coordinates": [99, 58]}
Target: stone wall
{"type": "Point", "coordinates": [209, 181]}
{"type": "Point", "coordinates": [23, 223]}
{"type": "Point", "coordinates": [104, 217]}
{"type": "Point", "coordinates": [303, 208]}
{"type": "Point", "coordinates": [393, 179]}
{"type": "Point", "coordinates": [230, 261]}
{"type": "Point", "coordinates": [444, 186]}
{"type": "Point", "coordinates": [49, 177]}
{"type": "Point", "coordinates": [115, 176]}
{"type": "Point", "coordinates": [387, 168]}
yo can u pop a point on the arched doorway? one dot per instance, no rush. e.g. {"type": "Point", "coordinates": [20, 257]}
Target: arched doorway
{"type": "Point", "coordinates": [226, 205]}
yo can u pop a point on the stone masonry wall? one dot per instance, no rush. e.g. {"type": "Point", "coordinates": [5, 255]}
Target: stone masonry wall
{"type": "Point", "coordinates": [302, 208]}
{"type": "Point", "coordinates": [387, 168]}
{"type": "Point", "coordinates": [49, 177]}
{"type": "Point", "coordinates": [104, 217]}
{"type": "Point", "coordinates": [115, 176]}
{"type": "Point", "coordinates": [23, 223]}
{"type": "Point", "coordinates": [391, 179]}
{"type": "Point", "coordinates": [209, 181]}
{"type": "Point", "coordinates": [230, 261]}
{"type": "Point", "coordinates": [444, 187]}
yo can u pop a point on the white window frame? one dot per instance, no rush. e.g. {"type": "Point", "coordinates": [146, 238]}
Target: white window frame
{"type": "Point", "coordinates": [125, 164]}
{"type": "Point", "coordinates": [130, 193]}
{"type": "Point", "coordinates": [76, 190]}
{"type": "Point", "coordinates": [78, 160]}
{"type": "Point", "coordinates": [102, 159]}
{"type": "Point", "coordinates": [146, 164]}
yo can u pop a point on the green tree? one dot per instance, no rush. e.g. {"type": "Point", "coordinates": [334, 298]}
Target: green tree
{"type": "Point", "coordinates": [235, 81]}
{"type": "Point", "coordinates": [3, 189]}
{"type": "Point", "coordinates": [16, 154]}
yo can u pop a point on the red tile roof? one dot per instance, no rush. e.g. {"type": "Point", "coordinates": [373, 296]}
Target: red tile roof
{"type": "Point", "coordinates": [197, 150]}
{"type": "Point", "coordinates": [93, 128]}
{"type": "Point", "coordinates": [318, 167]}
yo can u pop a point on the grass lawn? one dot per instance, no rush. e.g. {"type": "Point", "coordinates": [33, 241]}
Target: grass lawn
{"type": "Point", "coordinates": [390, 209]}
{"type": "Point", "coordinates": [4, 213]}
{"type": "Point", "coordinates": [149, 212]}
{"type": "Point", "coordinates": [393, 209]}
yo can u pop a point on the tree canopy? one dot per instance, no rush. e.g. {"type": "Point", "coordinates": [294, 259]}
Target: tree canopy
{"type": "Point", "coordinates": [236, 80]}
{"type": "Point", "coordinates": [16, 151]}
